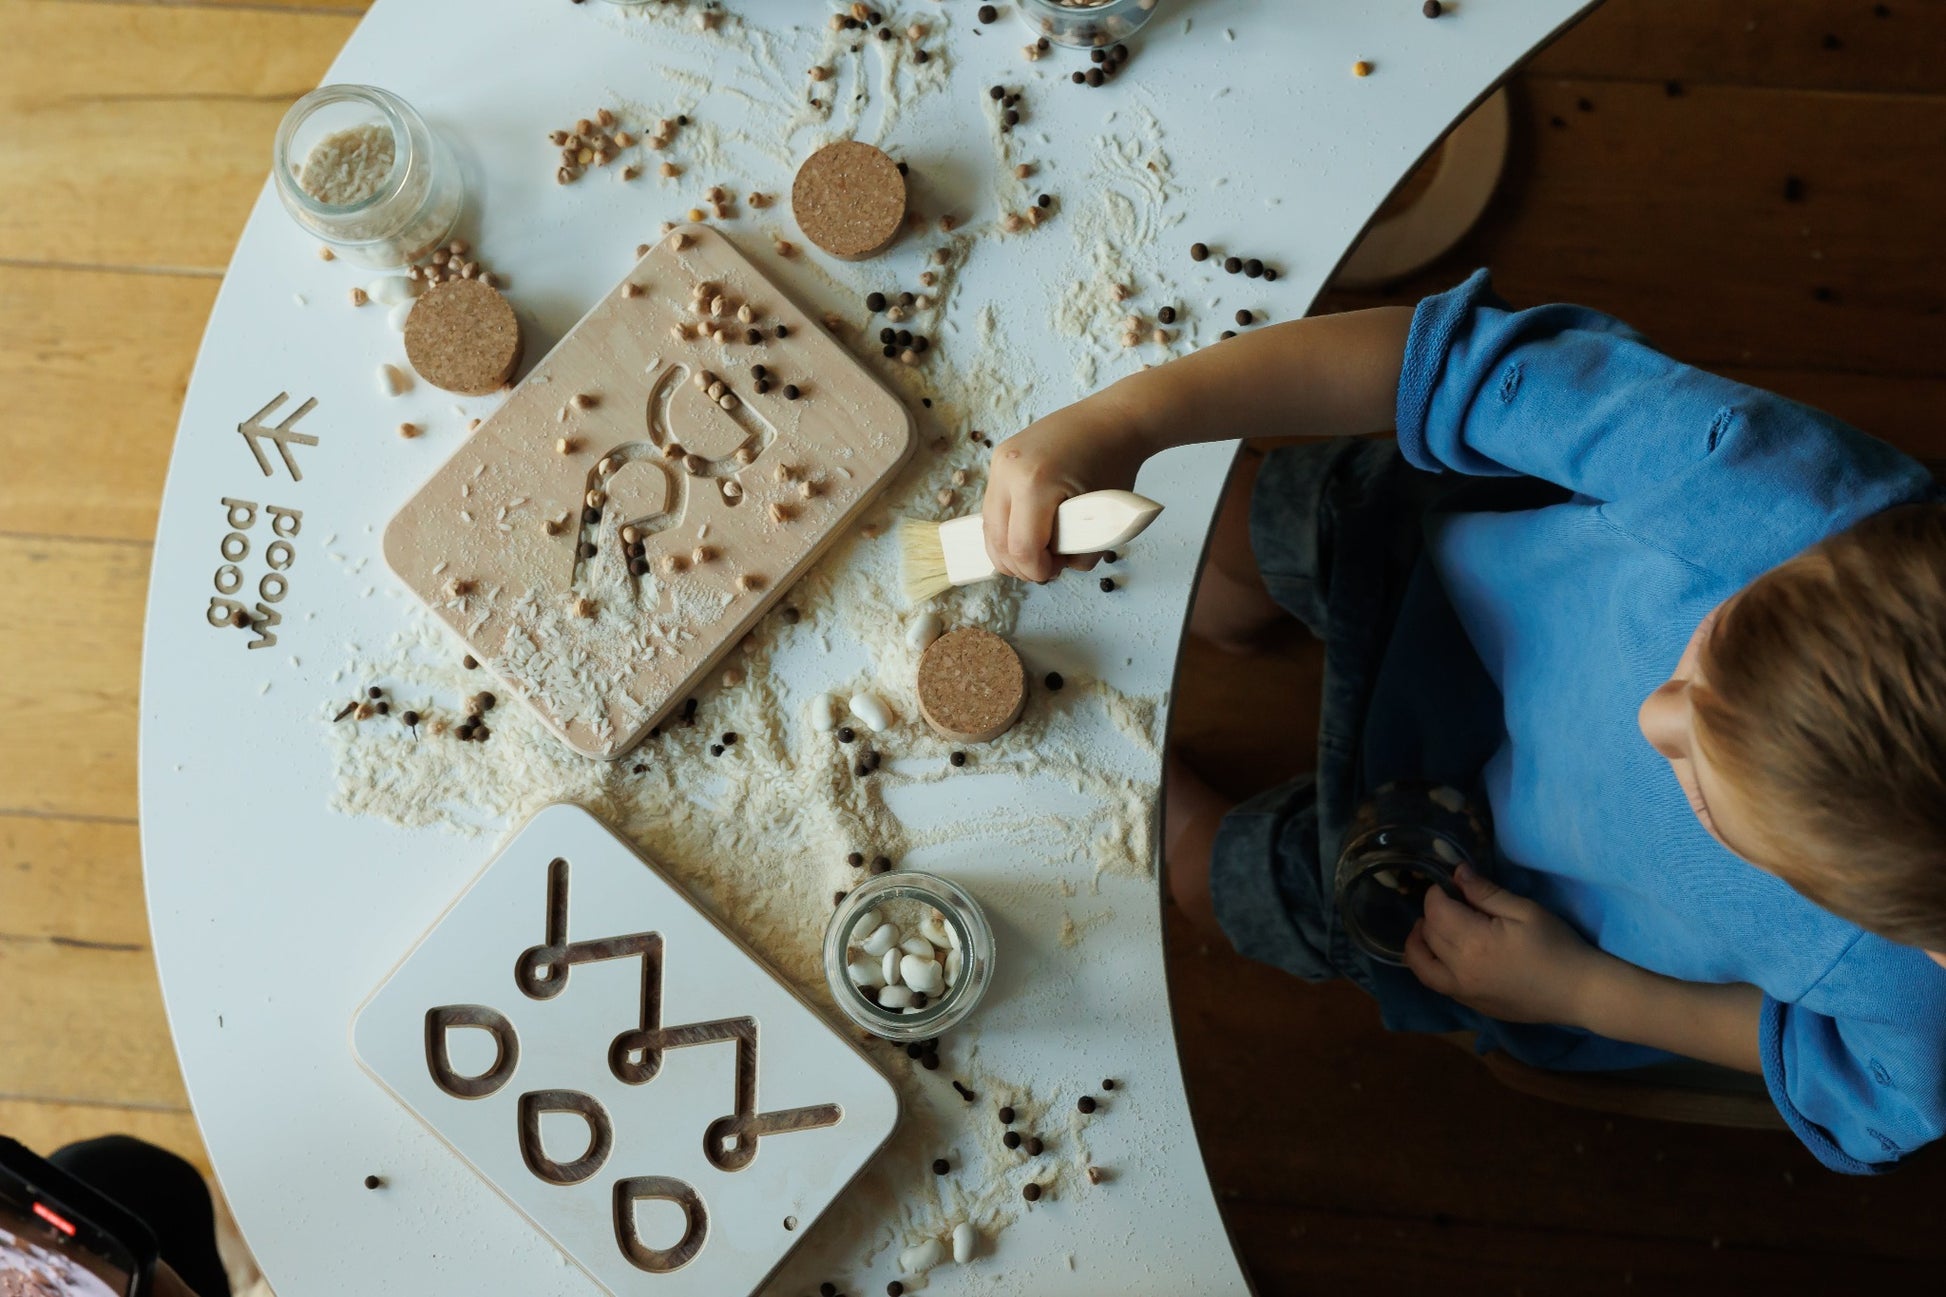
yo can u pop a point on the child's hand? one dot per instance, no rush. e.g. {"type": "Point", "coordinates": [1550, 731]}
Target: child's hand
{"type": "Point", "coordinates": [1502, 954]}
{"type": "Point", "coordinates": [1089, 446]}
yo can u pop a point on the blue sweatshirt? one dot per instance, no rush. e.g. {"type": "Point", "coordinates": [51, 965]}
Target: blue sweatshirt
{"type": "Point", "coordinates": [1684, 487]}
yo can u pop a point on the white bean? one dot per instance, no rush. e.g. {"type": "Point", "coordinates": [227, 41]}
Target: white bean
{"type": "Point", "coordinates": [392, 380]}
{"type": "Point", "coordinates": [889, 965]}
{"type": "Point", "coordinates": [921, 975]}
{"type": "Point", "coordinates": [884, 937]}
{"type": "Point", "coordinates": [964, 1241]}
{"type": "Point", "coordinates": [1449, 798]}
{"type": "Point", "coordinates": [952, 936]}
{"type": "Point", "coordinates": [865, 972]}
{"type": "Point", "coordinates": [921, 1257]}
{"type": "Point", "coordinates": [392, 290]}
{"type": "Point", "coordinates": [895, 997]}
{"type": "Point", "coordinates": [396, 316]}
{"type": "Point", "coordinates": [824, 713]}
{"type": "Point", "coordinates": [933, 929]}
{"type": "Point", "coordinates": [872, 710]}
{"type": "Point", "coordinates": [923, 631]}
{"type": "Point", "coordinates": [867, 922]}
{"type": "Point", "coordinates": [955, 963]}
{"type": "Point", "coordinates": [917, 946]}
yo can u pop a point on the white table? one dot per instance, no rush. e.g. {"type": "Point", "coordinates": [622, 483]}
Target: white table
{"type": "Point", "coordinates": [274, 916]}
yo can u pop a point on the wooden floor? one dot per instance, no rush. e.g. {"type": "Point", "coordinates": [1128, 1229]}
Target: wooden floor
{"type": "Point", "coordinates": [1759, 187]}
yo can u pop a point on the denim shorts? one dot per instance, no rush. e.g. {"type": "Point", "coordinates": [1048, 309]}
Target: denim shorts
{"type": "Point", "coordinates": [1335, 526]}
{"type": "Point", "coordinates": [1339, 535]}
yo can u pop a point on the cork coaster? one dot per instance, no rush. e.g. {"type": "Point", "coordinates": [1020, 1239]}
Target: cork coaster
{"type": "Point", "coordinates": [972, 686]}
{"type": "Point", "coordinates": [849, 199]}
{"type": "Point", "coordinates": [462, 336]}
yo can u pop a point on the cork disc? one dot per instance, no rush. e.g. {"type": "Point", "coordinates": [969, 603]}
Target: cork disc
{"type": "Point", "coordinates": [971, 685]}
{"type": "Point", "coordinates": [849, 199]}
{"type": "Point", "coordinates": [462, 336]}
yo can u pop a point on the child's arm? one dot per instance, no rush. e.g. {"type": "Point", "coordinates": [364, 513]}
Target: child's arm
{"type": "Point", "coordinates": [1509, 958]}
{"type": "Point", "coordinates": [1331, 376]}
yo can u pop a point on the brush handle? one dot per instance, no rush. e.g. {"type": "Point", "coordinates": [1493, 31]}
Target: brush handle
{"type": "Point", "coordinates": [1101, 520]}
{"type": "Point", "coordinates": [1083, 524]}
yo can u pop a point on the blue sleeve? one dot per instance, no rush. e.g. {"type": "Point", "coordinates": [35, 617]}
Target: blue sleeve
{"type": "Point", "coordinates": [1730, 477]}
{"type": "Point", "coordinates": [1861, 1078]}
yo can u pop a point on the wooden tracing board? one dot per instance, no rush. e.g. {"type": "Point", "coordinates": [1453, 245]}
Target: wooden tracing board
{"type": "Point", "coordinates": [623, 1072]}
{"type": "Point", "coordinates": [731, 499]}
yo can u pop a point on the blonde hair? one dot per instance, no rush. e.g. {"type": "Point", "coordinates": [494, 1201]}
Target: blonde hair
{"type": "Point", "coordinates": [1823, 703]}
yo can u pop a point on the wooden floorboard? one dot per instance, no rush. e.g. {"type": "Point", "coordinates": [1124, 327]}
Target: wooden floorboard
{"type": "Point", "coordinates": [1802, 45]}
{"type": "Point", "coordinates": [139, 134]}
{"type": "Point", "coordinates": [94, 365]}
{"type": "Point", "coordinates": [71, 639]}
{"type": "Point", "coordinates": [69, 881]}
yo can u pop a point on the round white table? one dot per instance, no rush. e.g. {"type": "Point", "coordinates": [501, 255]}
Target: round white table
{"type": "Point", "coordinates": [1237, 123]}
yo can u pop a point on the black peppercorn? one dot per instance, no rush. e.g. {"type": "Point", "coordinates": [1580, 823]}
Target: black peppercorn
{"type": "Point", "coordinates": [1199, 252]}
{"type": "Point", "coordinates": [856, 860]}
{"type": "Point", "coordinates": [1053, 681]}
{"type": "Point", "coordinates": [790, 392]}
{"type": "Point", "coordinates": [1108, 1084]}
{"type": "Point", "coordinates": [1011, 1139]}
{"type": "Point", "coordinates": [1232, 264]}
{"type": "Point", "coordinates": [1033, 1146]}
{"type": "Point", "coordinates": [875, 302]}
{"type": "Point", "coordinates": [1167, 315]}
{"type": "Point", "coordinates": [940, 1166]}
{"type": "Point", "coordinates": [957, 758]}
{"type": "Point", "coordinates": [410, 718]}
{"type": "Point", "coordinates": [1077, 77]}
{"type": "Point", "coordinates": [1244, 317]}
{"type": "Point", "coordinates": [1107, 585]}
{"type": "Point", "coordinates": [846, 734]}
{"type": "Point", "coordinates": [1032, 1192]}
{"type": "Point", "coordinates": [373, 1182]}
{"type": "Point", "coordinates": [1085, 1104]}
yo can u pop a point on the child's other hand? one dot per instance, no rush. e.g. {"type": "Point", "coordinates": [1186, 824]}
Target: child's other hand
{"type": "Point", "coordinates": [1501, 954]}
{"type": "Point", "coordinates": [1089, 446]}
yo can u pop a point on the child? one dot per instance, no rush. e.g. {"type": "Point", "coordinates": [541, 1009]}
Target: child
{"type": "Point", "coordinates": [1688, 647]}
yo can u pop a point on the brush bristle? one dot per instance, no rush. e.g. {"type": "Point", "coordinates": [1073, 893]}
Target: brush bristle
{"type": "Point", "coordinates": [922, 560]}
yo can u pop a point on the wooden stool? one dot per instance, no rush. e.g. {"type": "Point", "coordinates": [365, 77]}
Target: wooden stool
{"type": "Point", "coordinates": [1436, 205]}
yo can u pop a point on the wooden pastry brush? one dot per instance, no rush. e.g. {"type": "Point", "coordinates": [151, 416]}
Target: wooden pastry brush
{"type": "Point", "coordinates": [936, 556]}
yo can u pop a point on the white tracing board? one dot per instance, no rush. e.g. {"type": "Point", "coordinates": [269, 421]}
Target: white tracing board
{"type": "Point", "coordinates": [661, 1106]}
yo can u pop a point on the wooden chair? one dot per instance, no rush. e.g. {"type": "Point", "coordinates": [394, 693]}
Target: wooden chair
{"type": "Point", "coordinates": [1682, 1091]}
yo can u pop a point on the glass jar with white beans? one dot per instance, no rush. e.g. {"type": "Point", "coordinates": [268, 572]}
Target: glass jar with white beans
{"type": "Point", "coordinates": [908, 955]}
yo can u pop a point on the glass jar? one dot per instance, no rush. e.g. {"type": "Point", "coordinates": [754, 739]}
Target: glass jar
{"type": "Point", "coordinates": [967, 928]}
{"type": "Point", "coordinates": [1408, 839]}
{"type": "Point", "coordinates": [1084, 25]}
{"type": "Point", "coordinates": [376, 215]}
